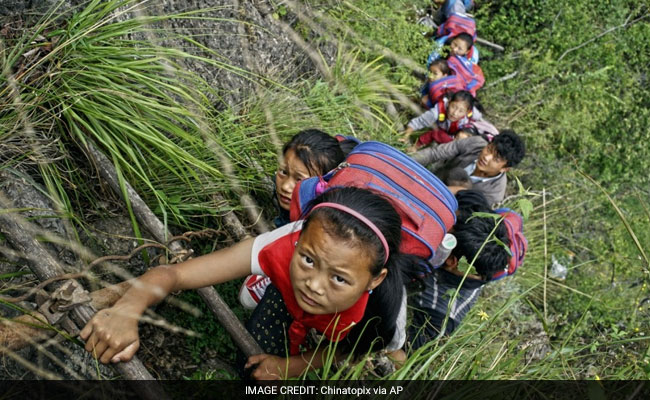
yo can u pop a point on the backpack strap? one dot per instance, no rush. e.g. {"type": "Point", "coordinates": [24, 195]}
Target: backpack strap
{"type": "Point", "coordinates": [442, 110]}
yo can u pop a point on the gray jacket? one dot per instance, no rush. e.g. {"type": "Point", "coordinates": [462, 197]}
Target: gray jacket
{"type": "Point", "coordinates": [429, 119]}
{"type": "Point", "coordinates": [461, 153]}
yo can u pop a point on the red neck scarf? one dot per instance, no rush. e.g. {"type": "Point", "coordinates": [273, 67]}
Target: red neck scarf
{"type": "Point", "coordinates": [275, 260]}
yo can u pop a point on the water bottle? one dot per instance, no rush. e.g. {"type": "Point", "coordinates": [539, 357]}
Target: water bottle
{"type": "Point", "coordinates": [446, 246]}
{"type": "Point", "coordinates": [558, 270]}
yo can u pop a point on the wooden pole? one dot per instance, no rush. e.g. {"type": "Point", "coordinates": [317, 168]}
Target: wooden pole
{"type": "Point", "coordinates": [17, 333]}
{"type": "Point", "coordinates": [20, 234]}
{"type": "Point", "coordinates": [148, 219]}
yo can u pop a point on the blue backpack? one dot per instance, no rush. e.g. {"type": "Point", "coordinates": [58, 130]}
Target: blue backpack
{"type": "Point", "coordinates": [448, 7]}
{"type": "Point", "coordinates": [426, 206]}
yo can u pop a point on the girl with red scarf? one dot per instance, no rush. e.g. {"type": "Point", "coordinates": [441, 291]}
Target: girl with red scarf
{"type": "Point", "coordinates": [338, 272]}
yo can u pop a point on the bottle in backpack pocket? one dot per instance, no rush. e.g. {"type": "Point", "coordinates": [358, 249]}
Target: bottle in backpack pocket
{"type": "Point", "coordinates": [444, 250]}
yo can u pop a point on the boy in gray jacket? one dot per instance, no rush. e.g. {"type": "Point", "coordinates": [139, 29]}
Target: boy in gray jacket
{"type": "Point", "coordinates": [486, 163]}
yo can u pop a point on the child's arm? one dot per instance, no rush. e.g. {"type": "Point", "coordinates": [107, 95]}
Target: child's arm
{"type": "Point", "coordinates": [427, 119]}
{"type": "Point", "coordinates": [445, 151]}
{"type": "Point", "coordinates": [406, 134]}
{"type": "Point", "coordinates": [112, 334]}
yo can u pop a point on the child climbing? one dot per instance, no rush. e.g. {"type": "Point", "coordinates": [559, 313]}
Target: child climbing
{"type": "Point", "coordinates": [337, 271]}
{"type": "Point", "coordinates": [446, 118]}
{"type": "Point", "coordinates": [449, 7]}
{"type": "Point", "coordinates": [461, 45]}
{"type": "Point", "coordinates": [476, 243]}
{"type": "Point", "coordinates": [440, 81]}
{"type": "Point", "coordinates": [310, 152]}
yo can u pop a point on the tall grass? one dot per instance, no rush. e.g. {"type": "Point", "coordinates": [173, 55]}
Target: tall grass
{"type": "Point", "coordinates": [91, 81]}
{"type": "Point", "coordinates": [95, 77]}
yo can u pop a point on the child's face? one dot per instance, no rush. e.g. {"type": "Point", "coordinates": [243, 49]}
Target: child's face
{"type": "Point", "coordinates": [459, 47]}
{"type": "Point", "coordinates": [435, 73]}
{"type": "Point", "coordinates": [290, 171]}
{"type": "Point", "coordinates": [457, 110]}
{"type": "Point", "coordinates": [489, 162]}
{"type": "Point", "coordinates": [329, 274]}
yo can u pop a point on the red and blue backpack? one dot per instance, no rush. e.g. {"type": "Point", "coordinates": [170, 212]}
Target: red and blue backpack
{"type": "Point", "coordinates": [457, 24]}
{"type": "Point", "coordinates": [471, 74]}
{"type": "Point", "coordinates": [518, 242]}
{"type": "Point", "coordinates": [426, 206]}
{"type": "Point", "coordinates": [438, 88]}
{"type": "Point", "coordinates": [342, 138]}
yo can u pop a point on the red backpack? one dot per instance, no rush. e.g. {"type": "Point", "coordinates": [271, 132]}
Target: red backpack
{"type": "Point", "coordinates": [471, 74]}
{"type": "Point", "coordinates": [426, 206]}
{"type": "Point", "coordinates": [457, 24]}
{"type": "Point", "coordinates": [518, 242]}
{"type": "Point", "coordinates": [448, 84]}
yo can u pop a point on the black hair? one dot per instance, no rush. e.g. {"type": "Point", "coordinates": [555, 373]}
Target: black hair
{"type": "Point", "coordinates": [347, 146]}
{"type": "Point", "coordinates": [456, 177]}
{"type": "Point", "coordinates": [473, 231]}
{"type": "Point", "coordinates": [316, 149]}
{"type": "Point", "coordinates": [469, 202]}
{"type": "Point", "coordinates": [509, 147]}
{"type": "Point", "coordinates": [441, 63]}
{"type": "Point", "coordinates": [465, 96]}
{"type": "Point", "coordinates": [465, 37]}
{"type": "Point", "coordinates": [471, 129]}
{"type": "Point", "coordinates": [378, 325]}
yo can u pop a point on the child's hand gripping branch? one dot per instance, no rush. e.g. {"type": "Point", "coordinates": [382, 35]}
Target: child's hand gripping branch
{"type": "Point", "coordinates": [406, 135]}
{"type": "Point", "coordinates": [112, 334]}
{"type": "Point", "coordinates": [324, 268]}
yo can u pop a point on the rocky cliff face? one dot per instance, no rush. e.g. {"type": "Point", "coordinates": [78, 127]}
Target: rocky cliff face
{"type": "Point", "coordinates": [243, 34]}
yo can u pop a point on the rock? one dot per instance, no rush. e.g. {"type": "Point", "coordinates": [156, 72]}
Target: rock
{"type": "Point", "coordinates": [244, 36]}
{"type": "Point", "coordinates": [113, 235]}
{"type": "Point", "coordinates": [24, 193]}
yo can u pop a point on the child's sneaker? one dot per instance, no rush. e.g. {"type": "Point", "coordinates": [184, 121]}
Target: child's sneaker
{"type": "Point", "coordinates": [252, 290]}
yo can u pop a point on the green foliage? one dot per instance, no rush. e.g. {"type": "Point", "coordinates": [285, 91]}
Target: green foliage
{"type": "Point", "coordinates": [576, 93]}
{"type": "Point", "coordinates": [580, 100]}
{"type": "Point", "coordinates": [384, 25]}
{"type": "Point", "coordinates": [210, 334]}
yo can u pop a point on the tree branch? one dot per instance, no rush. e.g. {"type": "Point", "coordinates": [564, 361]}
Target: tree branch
{"type": "Point", "coordinates": [623, 25]}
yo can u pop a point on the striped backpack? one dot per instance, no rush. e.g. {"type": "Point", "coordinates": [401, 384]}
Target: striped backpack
{"type": "Point", "coordinates": [426, 206]}
{"type": "Point", "coordinates": [438, 88]}
{"type": "Point", "coordinates": [457, 24]}
{"type": "Point", "coordinates": [518, 242]}
{"type": "Point", "coordinates": [469, 72]}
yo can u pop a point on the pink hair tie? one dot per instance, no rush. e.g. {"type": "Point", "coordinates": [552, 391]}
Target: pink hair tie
{"type": "Point", "coordinates": [361, 218]}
